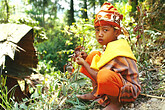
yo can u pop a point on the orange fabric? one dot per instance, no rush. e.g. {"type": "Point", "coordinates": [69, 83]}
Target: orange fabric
{"type": "Point", "coordinates": [106, 79]}
{"type": "Point", "coordinates": [104, 100]}
{"type": "Point", "coordinates": [127, 68]}
{"type": "Point", "coordinates": [119, 77]}
{"type": "Point", "coordinates": [89, 60]}
{"type": "Point", "coordinates": [108, 14]}
{"type": "Point", "coordinates": [108, 83]}
{"type": "Point", "coordinates": [105, 23]}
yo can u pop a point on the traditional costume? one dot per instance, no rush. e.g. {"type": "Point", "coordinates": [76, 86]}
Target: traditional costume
{"type": "Point", "coordinates": [117, 71]}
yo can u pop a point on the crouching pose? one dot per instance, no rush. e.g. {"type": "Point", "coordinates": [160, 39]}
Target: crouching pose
{"type": "Point", "coordinates": [113, 73]}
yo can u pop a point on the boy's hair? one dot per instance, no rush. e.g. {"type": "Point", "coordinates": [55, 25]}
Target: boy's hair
{"type": "Point", "coordinates": [108, 15]}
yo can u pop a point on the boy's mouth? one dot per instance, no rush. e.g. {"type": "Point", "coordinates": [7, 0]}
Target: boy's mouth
{"type": "Point", "coordinates": [100, 40]}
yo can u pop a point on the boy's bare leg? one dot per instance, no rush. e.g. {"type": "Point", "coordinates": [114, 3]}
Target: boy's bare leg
{"type": "Point", "coordinates": [88, 96]}
{"type": "Point", "coordinates": [93, 84]}
{"type": "Point", "coordinates": [114, 104]}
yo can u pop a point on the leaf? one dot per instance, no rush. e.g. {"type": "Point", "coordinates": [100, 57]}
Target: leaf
{"type": "Point", "coordinates": [63, 100]}
{"type": "Point", "coordinates": [81, 107]}
{"type": "Point", "coordinates": [15, 106]}
{"type": "Point", "coordinates": [35, 94]}
{"type": "Point", "coordinates": [23, 106]}
{"type": "Point", "coordinates": [64, 90]}
{"type": "Point", "coordinates": [56, 86]}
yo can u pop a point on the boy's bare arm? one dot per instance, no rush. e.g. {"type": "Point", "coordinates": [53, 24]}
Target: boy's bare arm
{"type": "Point", "coordinates": [92, 72]}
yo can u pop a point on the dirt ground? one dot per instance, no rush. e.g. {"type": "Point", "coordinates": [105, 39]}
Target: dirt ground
{"type": "Point", "coordinates": [144, 103]}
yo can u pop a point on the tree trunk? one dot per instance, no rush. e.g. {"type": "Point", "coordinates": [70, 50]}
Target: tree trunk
{"type": "Point", "coordinates": [43, 12]}
{"type": "Point", "coordinates": [94, 8]}
{"type": "Point", "coordinates": [85, 15]}
{"type": "Point", "coordinates": [71, 13]}
{"type": "Point", "coordinates": [7, 11]}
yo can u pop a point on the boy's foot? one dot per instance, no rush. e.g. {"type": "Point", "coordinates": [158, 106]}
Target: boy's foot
{"type": "Point", "coordinates": [88, 96]}
{"type": "Point", "coordinates": [113, 106]}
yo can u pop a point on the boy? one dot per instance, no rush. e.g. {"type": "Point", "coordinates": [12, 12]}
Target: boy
{"type": "Point", "coordinates": [114, 73]}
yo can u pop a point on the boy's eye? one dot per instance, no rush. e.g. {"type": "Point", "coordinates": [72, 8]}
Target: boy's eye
{"type": "Point", "coordinates": [96, 30]}
{"type": "Point", "coordinates": [105, 30]}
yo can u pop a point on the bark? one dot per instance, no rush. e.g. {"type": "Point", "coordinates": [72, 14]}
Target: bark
{"type": "Point", "coordinates": [71, 13]}
{"type": "Point", "coordinates": [7, 10]}
{"type": "Point", "coordinates": [85, 15]}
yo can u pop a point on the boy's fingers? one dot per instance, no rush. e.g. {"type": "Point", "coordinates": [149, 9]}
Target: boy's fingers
{"type": "Point", "coordinates": [78, 58]}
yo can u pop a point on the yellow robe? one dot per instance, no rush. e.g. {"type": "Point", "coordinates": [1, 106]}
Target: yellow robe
{"type": "Point", "coordinates": [113, 49]}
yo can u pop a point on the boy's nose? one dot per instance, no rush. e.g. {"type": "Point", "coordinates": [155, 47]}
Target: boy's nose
{"type": "Point", "coordinates": [100, 33]}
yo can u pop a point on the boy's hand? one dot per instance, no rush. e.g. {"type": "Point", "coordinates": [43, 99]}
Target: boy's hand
{"type": "Point", "coordinates": [83, 55]}
{"type": "Point", "coordinates": [80, 60]}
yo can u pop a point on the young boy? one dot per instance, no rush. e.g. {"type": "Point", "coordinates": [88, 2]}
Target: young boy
{"type": "Point", "coordinates": [114, 73]}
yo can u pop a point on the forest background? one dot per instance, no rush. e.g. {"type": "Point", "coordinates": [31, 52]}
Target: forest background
{"type": "Point", "coordinates": [61, 26]}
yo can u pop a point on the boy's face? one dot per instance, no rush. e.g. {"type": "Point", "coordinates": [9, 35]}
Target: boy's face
{"type": "Point", "coordinates": [105, 34]}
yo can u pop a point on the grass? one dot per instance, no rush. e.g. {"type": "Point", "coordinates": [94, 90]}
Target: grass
{"type": "Point", "coordinates": [57, 90]}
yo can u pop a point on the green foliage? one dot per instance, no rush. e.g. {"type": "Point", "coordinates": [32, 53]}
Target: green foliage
{"type": "Point", "coordinates": [150, 63]}
{"type": "Point", "coordinates": [148, 49]}
{"type": "Point", "coordinates": [39, 10]}
{"type": "Point", "coordinates": [57, 48]}
{"type": "Point", "coordinates": [84, 31]}
{"type": "Point", "coordinates": [5, 99]}
{"type": "Point", "coordinates": [155, 14]}
{"type": "Point", "coordinates": [125, 9]}
{"type": "Point", "coordinates": [58, 89]}
{"type": "Point", "coordinates": [63, 39]}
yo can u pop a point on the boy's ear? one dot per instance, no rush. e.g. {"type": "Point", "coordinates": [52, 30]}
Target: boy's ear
{"type": "Point", "coordinates": [117, 32]}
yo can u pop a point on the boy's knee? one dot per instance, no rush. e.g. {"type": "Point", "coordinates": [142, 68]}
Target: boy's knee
{"type": "Point", "coordinates": [91, 55]}
{"type": "Point", "coordinates": [107, 82]}
{"type": "Point", "coordinates": [104, 75]}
